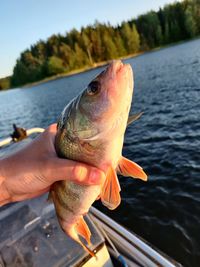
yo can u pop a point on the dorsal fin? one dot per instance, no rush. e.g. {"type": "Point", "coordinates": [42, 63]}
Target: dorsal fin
{"type": "Point", "coordinates": [134, 117]}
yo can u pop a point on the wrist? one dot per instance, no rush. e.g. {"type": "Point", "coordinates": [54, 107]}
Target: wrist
{"type": "Point", "coordinates": [5, 197]}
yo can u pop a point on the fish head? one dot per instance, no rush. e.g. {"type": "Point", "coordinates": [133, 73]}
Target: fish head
{"type": "Point", "coordinates": [106, 100]}
{"type": "Point", "coordinates": [95, 121]}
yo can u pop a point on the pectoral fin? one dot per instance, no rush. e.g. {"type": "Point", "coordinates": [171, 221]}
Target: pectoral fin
{"type": "Point", "coordinates": [110, 195]}
{"type": "Point", "coordinates": [130, 168]}
{"type": "Point", "coordinates": [134, 117]}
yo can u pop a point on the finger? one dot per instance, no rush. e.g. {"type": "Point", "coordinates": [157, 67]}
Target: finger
{"type": "Point", "coordinates": [21, 197]}
{"type": "Point", "coordinates": [52, 128]}
{"type": "Point", "coordinates": [63, 169]}
{"type": "Point", "coordinates": [51, 131]}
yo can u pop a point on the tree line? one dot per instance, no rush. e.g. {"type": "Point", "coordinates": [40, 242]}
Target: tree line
{"type": "Point", "coordinates": [102, 42]}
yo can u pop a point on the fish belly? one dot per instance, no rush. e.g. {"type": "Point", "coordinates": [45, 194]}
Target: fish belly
{"type": "Point", "coordinates": [73, 200]}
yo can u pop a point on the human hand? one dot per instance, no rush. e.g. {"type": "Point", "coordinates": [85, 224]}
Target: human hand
{"type": "Point", "coordinates": [31, 171]}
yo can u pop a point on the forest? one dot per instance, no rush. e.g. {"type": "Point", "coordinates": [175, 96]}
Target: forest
{"type": "Point", "coordinates": [102, 42]}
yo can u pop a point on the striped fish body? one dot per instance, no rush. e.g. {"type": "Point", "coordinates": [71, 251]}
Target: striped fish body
{"type": "Point", "coordinates": [91, 130]}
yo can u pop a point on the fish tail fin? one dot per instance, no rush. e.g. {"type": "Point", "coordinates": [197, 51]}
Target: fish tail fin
{"type": "Point", "coordinates": [127, 167]}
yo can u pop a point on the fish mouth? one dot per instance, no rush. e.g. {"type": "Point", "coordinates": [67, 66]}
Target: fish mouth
{"type": "Point", "coordinates": [117, 66]}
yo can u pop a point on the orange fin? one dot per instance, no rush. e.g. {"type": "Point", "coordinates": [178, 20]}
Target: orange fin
{"type": "Point", "coordinates": [110, 196]}
{"type": "Point", "coordinates": [83, 230]}
{"type": "Point", "coordinates": [88, 250]}
{"type": "Point", "coordinates": [127, 167]}
{"type": "Point", "coordinates": [80, 228]}
{"type": "Point", "coordinates": [99, 196]}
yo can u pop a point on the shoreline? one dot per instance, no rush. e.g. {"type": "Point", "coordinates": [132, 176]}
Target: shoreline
{"type": "Point", "coordinates": [98, 65]}
{"type": "Point", "coordinates": [104, 63]}
{"type": "Point", "coordinates": [78, 71]}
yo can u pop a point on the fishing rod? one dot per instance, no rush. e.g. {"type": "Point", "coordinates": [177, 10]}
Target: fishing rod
{"type": "Point", "coordinates": [118, 256]}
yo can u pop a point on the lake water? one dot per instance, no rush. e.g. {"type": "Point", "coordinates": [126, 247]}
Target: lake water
{"type": "Point", "coordinates": [165, 142]}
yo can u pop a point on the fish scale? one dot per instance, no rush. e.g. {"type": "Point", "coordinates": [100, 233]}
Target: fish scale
{"type": "Point", "coordinates": [91, 130]}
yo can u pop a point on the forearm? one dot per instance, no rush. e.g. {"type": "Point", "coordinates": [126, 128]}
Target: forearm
{"type": "Point", "coordinates": [4, 195]}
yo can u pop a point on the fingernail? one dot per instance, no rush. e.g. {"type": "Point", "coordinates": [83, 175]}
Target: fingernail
{"type": "Point", "coordinates": [81, 172]}
{"type": "Point", "coordinates": [96, 176]}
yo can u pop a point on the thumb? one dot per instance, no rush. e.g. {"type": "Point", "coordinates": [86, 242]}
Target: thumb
{"type": "Point", "coordinates": [64, 169]}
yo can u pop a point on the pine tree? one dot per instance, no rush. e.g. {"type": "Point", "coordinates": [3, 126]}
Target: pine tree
{"type": "Point", "coordinates": [86, 46]}
{"type": "Point", "coordinates": [190, 24]}
{"type": "Point", "coordinates": [110, 50]}
{"type": "Point", "coordinates": [121, 51]}
{"type": "Point", "coordinates": [81, 58]}
{"type": "Point", "coordinates": [67, 56]}
{"type": "Point", "coordinates": [130, 37]}
{"type": "Point", "coordinates": [55, 66]}
{"type": "Point", "coordinates": [166, 33]}
{"type": "Point", "coordinates": [135, 40]}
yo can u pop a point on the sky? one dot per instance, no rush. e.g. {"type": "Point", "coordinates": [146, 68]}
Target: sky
{"type": "Point", "coordinates": [24, 22]}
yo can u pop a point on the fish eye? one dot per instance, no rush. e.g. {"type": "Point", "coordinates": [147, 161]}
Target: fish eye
{"type": "Point", "coordinates": [93, 88]}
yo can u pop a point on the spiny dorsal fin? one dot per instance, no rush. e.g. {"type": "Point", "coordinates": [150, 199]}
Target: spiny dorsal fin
{"type": "Point", "coordinates": [134, 117]}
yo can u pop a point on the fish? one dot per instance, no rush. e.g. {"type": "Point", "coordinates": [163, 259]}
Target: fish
{"type": "Point", "coordinates": [91, 129]}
